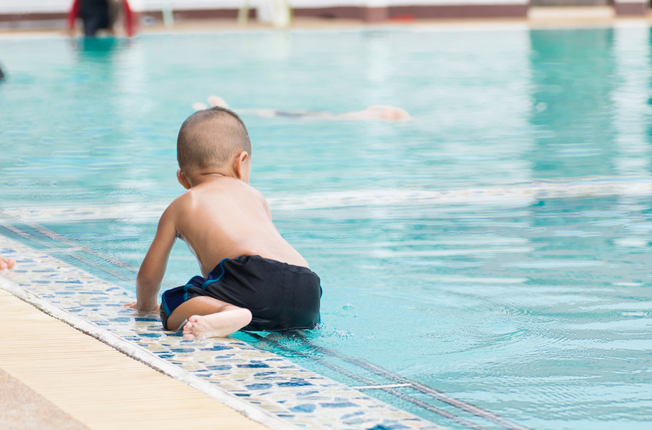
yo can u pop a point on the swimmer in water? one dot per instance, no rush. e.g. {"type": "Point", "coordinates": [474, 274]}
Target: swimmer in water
{"type": "Point", "coordinates": [6, 263]}
{"type": "Point", "coordinates": [384, 113]}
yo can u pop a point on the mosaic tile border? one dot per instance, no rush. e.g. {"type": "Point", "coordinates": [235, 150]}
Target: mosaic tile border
{"type": "Point", "coordinates": [263, 386]}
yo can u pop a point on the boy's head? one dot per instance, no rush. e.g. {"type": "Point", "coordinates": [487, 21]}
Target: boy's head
{"type": "Point", "coordinates": [210, 138]}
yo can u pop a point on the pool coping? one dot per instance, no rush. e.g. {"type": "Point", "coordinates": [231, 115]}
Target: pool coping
{"type": "Point", "coordinates": [144, 356]}
{"type": "Point", "coordinates": [52, 376]}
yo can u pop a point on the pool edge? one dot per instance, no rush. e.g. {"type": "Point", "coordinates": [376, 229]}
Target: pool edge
{"type": "Point", "coordinates": [143, 356]}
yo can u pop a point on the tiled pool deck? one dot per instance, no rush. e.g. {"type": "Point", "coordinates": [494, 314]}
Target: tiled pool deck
{"type": "Point", "coordinates": [227, 369]}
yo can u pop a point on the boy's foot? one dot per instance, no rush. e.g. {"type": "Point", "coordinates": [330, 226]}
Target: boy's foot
{"type": "Point", "coordinates": [212, 101]}
{"type": "Point", "coordinates": [220, 324]}
{"type": "Point", "coordinates": [217, 101]}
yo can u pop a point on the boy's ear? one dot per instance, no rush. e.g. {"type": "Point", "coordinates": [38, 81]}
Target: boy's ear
{"type": "Point", "coordinates": [238, 164]}
{"type": "Point", "coordinates": [183, 180]}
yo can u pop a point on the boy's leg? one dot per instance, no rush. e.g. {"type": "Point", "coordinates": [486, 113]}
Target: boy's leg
{"type": "Point", "coordinates": [208, 317]}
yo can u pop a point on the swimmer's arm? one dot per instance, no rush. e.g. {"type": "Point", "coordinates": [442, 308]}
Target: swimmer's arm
{"type": "Point", "coordinates": [153, 268]}
{"type": "Point", "coordinates": [363, 114]}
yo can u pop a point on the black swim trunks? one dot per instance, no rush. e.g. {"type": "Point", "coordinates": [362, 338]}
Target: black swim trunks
{"type": "Point", "coordinates": [95, 14]}
{"type": "Point", "coordinates": [280, 296]}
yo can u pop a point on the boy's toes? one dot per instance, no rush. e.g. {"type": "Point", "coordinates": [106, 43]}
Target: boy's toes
{"type": "Point", "coordinates": [187, 332]}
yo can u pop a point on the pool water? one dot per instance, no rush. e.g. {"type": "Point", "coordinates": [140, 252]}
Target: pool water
{"type": "Point", "coordinates": [494, 248]}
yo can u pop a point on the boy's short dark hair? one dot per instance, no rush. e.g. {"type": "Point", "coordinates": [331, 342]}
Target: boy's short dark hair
{"type": "Point", "coordinates": [209, 138]}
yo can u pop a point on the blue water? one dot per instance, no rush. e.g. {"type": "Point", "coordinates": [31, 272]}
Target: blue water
{"type": "Point", "coordinates": [529, 305]}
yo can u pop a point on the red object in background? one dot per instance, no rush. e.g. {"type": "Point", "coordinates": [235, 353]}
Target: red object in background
{"type": "Point", "coordinates": [129, 19]}
{"type": "Point", "coordinates": [129, 16]}
{"type": "Point", "coordinates": [73, 14]}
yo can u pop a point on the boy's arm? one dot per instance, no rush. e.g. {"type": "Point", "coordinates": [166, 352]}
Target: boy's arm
{"type": "Point", "coordinates": [152, 270]}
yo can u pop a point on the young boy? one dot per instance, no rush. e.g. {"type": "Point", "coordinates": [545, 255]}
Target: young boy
{"type": "Point", "coordinates": [252, 279]}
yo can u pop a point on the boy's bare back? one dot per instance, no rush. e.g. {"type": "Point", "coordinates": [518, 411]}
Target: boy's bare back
{"type": "Point", "coordinates": [223, 217]}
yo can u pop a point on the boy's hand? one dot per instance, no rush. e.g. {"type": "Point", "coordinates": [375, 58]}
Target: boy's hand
{"type": "Point", "coordinates": [134, 306]}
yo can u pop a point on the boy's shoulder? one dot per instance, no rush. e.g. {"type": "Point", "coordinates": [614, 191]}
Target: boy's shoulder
{"type": "Point", "coordinates": [211, 197]}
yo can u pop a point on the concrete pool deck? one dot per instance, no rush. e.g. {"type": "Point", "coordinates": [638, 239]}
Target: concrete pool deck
{"type": "Point", "coordinates": [53, 376]}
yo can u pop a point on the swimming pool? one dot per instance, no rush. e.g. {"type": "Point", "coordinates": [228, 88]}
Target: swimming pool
{"type": "Point", "coordinates": [494, 248]}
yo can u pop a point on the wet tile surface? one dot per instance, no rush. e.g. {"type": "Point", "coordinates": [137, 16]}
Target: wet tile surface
{"type": "Point", "coordinates": [268, 381]}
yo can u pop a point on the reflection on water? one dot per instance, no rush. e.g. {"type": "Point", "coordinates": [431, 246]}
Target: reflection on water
{"type": "Point", "coordinates": [632, 102]}
{"type": "Point", "coordinates": [534, 308]}
{"type": "Point", "coordinates": [573, 110]}
{"type": "Point", "coordinates": [98, 48]}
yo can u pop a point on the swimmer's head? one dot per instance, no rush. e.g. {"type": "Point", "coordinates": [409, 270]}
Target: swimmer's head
{"type": "Point", "coordinates": [210, 138]}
